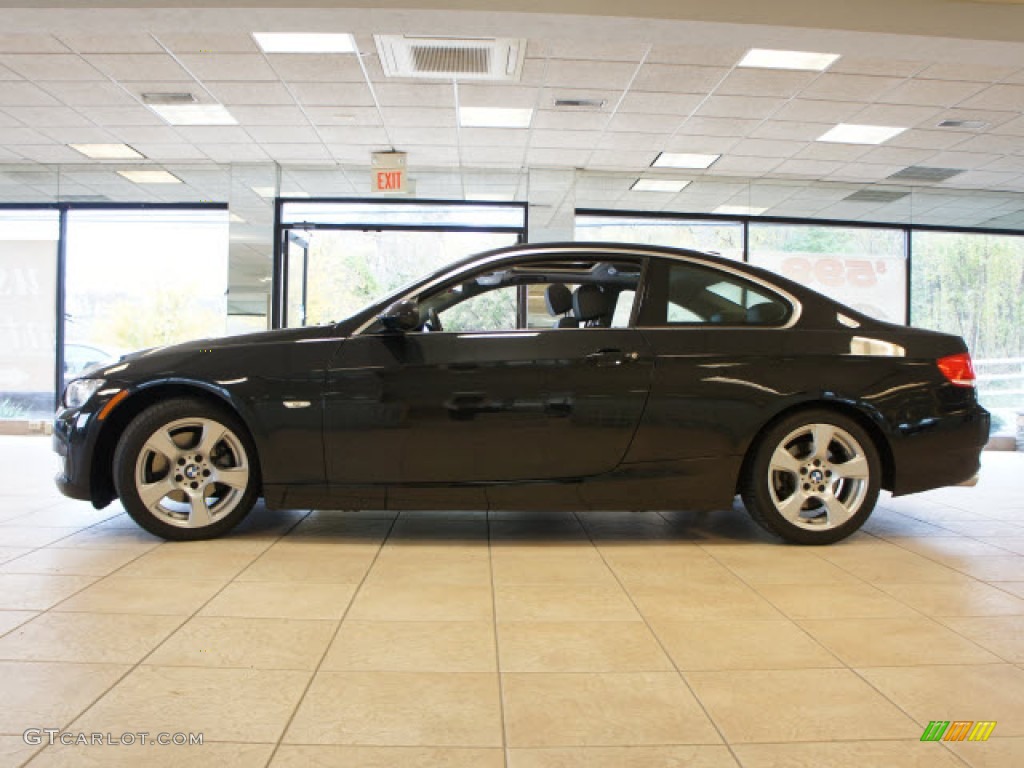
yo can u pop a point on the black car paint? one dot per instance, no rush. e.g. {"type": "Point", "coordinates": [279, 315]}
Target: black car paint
{"type": "Point", "coordinates": [590, 418]}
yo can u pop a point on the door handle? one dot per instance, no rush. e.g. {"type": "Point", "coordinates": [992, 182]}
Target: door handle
{"type": "Point", "coordinates": [609, 357]}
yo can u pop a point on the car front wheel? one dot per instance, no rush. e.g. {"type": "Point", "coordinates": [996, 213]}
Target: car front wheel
{"type": "Point", "coordinates": [813, 478]}
{"type": "Point", "coordinates": [186, 470]}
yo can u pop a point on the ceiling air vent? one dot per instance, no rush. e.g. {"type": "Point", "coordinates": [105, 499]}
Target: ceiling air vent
{"type": "Point", "coordinates": [924, 173]}
{"type": "Point", "coordinates": [874, 196]}
{"type": "Point", "coordinates": [966, 125]}
{"type": "Point", "coordinates": [169, 98]}
{"type": "Point", "coordinates": [469, 58]}
{"type": "Point", "coordinates": [580, 103]}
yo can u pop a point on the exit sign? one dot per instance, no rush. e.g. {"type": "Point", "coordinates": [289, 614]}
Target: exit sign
{"type": "Point", "coordinates": [387, 173]}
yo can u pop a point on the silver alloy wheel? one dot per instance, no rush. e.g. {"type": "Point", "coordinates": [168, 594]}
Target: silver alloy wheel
{"type": "Point", "coordinates": [192, 472]}
{"type": "Point", "coordinates": [818, 477]}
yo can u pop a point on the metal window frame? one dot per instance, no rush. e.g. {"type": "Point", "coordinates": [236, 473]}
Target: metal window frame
{"type": "Point", "coordinates": [60, 298]}
{"type": "Point", "coordinates": [278, 285]}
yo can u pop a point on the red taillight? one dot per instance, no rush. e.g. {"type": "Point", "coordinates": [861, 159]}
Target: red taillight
{"type": "Point", "coordinates": [958, 369]}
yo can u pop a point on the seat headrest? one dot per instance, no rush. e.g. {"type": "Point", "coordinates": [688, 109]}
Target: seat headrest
{"type": "Point", "coordinates": [589, 302]}
{"type": "Point", "coordinates": [765, 312]}
{"type": "Point", "coordinates": [558, 298]}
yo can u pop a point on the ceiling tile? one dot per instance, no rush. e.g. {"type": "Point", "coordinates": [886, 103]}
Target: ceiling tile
{"type": "Point", "coordinates": [1006, 145]}
{"type": "Point", "coordinates": [833, 86]}
{"type": "Point", "coordinates": [52, 153]}
{"type": "Point", "coordinates": [866, 65]}
{"type": "Point", "coordinates": [939, 93]}
{"type": "Point", "coordinates": [514, 96]}
{"type": "Point", "coordinates": [316, 67]}
{"type": "Point", "coordinates": [751, 107]}
{"type": "Point", "coordinates": [615, 159]}
{"type": "Point", "coordinates": [332, 94]}
{"type": "Point", "coordinates": [146, 134]}
{"type": "Point", "coordinates": [122, 116]}
{"type": "Point", "coordinates": [707, 56]}
{"type": "Point", "coordinates": [50, 66]}
{"type": "Point", "coordinates": [569, 120]}
{"type": "Point", "coordinates": [6, 74]}
{"type": "Point", "coordinates": [709, 145]}
{"type": "Point", "coordinates": [234, 153]}
{"type": "Point", "coordinates": [921, 139]}
{"type": "Point", "coordinates": [493, 137]}
{"type": "Point", "coordinates": [413, 94]}
{"type": "Point", "coordinates": [596, 50]}
{"type": "Point", "coordinates": [767, 148]}
{"type": "Point", "coordinates": [764, 82]}
{"type": "Point", "coordinates": [669, 78]}
{"type": "Point", "coordinates": [342, 116]}
{"type": "Point", "coordinates": [31, 44]}
{"type": "Point", "coordinates": [214, 134]}
{"type": "Point", "coordinates": [557, 157]}
{"type": "Point", "coordinates": [632, 141]}
{"type": "Point", "coordinates": [828, 151]}
{"type": "Point", "coordinates": [228, 66]}
{"type": "Point", "coordinates": [967, 160]}
{"type": "Point", "coordinates": [426, 116]}
{"type": "Point", "coordinates": [733, 166]}
{"type": "Point", "coordinates": [789, 130]}
{"type": "Point", "coordinates": [981, 179]}
{"type": "Point", "coordinates": [960, 70]}
{"type": "Point", "coordinates": [358, 135]}
{"type": "Point", "coordinates": [420, 136]}
{"type": "Point", "coordinates": [276, 134]}
{"type": "Point", "coordinates": [164, 152]}
{"type": "Point", "coordinates": [114, 43]}
{"type": "Point", "coordinates": [47, 116]}
{"type": "Point", "coordinates": [254, 93]}
{"type": "Point", "coordinates": [297, 153]}
{"type": "Point", "coordinates": [1000, 97]}
{"type": "Point", "coordinates": [815, 169]}
{"type": "Point", "coordinates": [200, 42]}
{"type": "Point", "coordinates": [76, 134]}
{"type": "Point", "coordinates": [89, 94]}
{"type": "Point", "coordinates": [864, 172]}
{"type": "Point", "coordinates": [499, 156]}
{"type": "Point", "coordinates": [639, 123]}
{"type": "Point", "coordinates": [21, 94]}
{"type": "Point", "coordinates": [563, 139]}
{"type": "Point", "coordinates": [589, 74]}
{"type": "Point", "coordinates": [139, 66]}
{"type": "Point", "coordinates": [897, 115]}
{"type": "Point", "coordinates": [1013, 127]}
{"type": "Point", "coordinates": [718, 126]}
{"type": "Point", "coordinates": [660, 103]}
{"type": "Point", "coordinates": [897, 156]}
{"type": "Point", "coordinates": [432, 156]}
{"type": "Point", "coordinates": [812, 111]}
{"type": "Point", "coordinates": [269, 116]}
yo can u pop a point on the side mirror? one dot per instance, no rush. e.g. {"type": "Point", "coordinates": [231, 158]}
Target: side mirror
{"type": "Point", "coordinates": [401, 316]}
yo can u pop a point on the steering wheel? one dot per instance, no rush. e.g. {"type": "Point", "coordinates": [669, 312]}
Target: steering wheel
{"type": "Point", "coordinates": [433, 321]}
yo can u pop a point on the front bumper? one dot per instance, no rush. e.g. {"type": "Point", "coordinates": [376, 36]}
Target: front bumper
{"type": "Point", "coordinates": [73, 443]}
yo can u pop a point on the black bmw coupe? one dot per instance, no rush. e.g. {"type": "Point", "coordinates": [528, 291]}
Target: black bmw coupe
{"type": "Point", "coordinates": [564, 376]}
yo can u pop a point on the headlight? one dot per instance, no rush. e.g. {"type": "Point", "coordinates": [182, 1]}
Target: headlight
{"type": "Point", "coordinates": [78, 392]}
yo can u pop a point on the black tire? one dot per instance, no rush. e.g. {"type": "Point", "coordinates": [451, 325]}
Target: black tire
{"type": "Point", "coordinates": [177, 516]}
{"type": "Point", "coordinates": [805, 502]}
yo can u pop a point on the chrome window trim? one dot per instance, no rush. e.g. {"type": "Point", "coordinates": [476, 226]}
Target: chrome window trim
{"type": "Point", "coordinates": [794, 303]}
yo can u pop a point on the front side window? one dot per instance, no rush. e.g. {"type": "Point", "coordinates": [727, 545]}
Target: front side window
{"type": "Point", "coordinates": [683, 293]}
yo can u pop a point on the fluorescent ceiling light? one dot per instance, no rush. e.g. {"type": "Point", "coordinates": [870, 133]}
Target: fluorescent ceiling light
{"type": "Point", "coordinates": [194, 114]}
{"type": "Point", "coordinates": [848, 133]}
{"type": "Point", "coordinates": [298, 42]}
{"type": "Point", "coordinates": [107, 151]}
{"type": "Point", "coordinates": [494, 117]}
{"type": "Point", "coordinates": [763, 58]}
{"type": "Point", "coordinates": [659, 185]}
{"type": "Point", "coordinates": [683, 160]}
{"type": "Point", "coordinates": [739, 210]}
{"type": "Point", "coordinates": [150, 177]}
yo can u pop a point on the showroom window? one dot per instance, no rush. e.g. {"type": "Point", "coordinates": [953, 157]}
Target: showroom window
{"type": "Point", "coordinates": [971, 285]}
{"type": "Point", "coordinates": [28, 287]}
{"type": "Point", "coordinates": [142, 277]}
{"type": "Point", "coordinates": [338, 256]}
{"type": "Point", "coordinates": [724, 238]}
{"type": "Point", "coordinates": [863, 267]}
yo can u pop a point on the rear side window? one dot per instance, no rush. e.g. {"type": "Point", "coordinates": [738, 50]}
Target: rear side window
{"type": "Point", "coordinates": [682, 293]}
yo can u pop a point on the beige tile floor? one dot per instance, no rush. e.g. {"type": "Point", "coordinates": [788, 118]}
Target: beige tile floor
{"type": "Point", "coordinates": [526, 640]}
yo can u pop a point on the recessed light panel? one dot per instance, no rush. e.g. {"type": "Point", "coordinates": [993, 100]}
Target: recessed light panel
{"type": "Point", "coordinates": [194, 114]}
{"type": "Point", "coordinates": [150, 177]}
{"type": "Point", "coordinates": [739, 210]}
{"type": "Point", "coordinates": [848, 133]}
{"type": "Point", "coordinates": [286, 42]}
{"type": "Point", "coordinates": [107, 151]}
{"type": "Point", "coordinates": [683, 160]}
{"type": "Point", "coordinates": [659, 185]}
{"type": "Point", "coordinates": [763, 58]}
{"type": "Point", "coordinates": [494, 117]}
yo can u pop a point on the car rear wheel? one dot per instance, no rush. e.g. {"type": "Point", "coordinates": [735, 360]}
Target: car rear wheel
{"type": "Point", "coordinates": [186, 470]}
{"type": "Point", "coordinates": [813, 478]}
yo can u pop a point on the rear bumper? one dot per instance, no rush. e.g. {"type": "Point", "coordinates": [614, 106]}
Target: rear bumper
{"type": "Point", "coordinates": [940, 452]}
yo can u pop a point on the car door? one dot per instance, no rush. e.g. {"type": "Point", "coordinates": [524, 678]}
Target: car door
{"type": "Point", "coordinates": [496, 405]}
